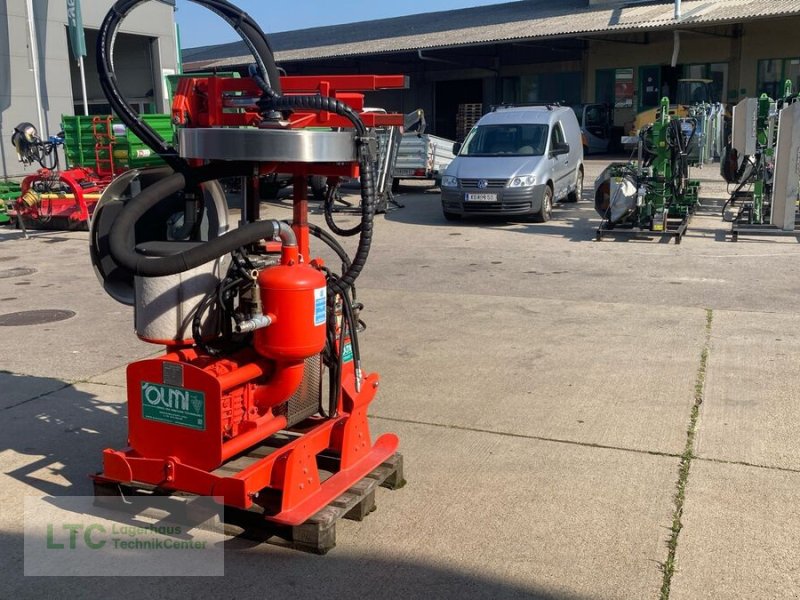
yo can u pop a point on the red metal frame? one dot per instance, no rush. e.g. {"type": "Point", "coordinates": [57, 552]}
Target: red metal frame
{"type": "Point", "coordinates": [291, 470]}
{"type": "Point", "coordinates": [200, 101]}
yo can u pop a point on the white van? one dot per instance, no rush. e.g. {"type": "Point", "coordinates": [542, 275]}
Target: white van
{"type": "Point", "coordinates": [516, 161]}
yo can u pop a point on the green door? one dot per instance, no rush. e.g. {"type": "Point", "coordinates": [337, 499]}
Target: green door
{"type": "Point", "coordinates": [649, 87]}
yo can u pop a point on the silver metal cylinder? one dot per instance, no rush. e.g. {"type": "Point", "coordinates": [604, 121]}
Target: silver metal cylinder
{"type": "Point", "coordinates": [268, 145]}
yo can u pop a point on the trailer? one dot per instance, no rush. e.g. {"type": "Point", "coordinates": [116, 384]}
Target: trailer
{"type": "Point", "coordinates": [423, 157]}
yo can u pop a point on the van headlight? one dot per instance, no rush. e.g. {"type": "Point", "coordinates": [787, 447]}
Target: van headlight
{"type": "Point", "coordinates": [523, 181]}
{"type": "Point", "coordinates": [449, 181]}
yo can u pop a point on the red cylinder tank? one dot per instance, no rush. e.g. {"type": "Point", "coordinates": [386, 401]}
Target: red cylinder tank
{"type": "Point", "coordinates": [295, 295]}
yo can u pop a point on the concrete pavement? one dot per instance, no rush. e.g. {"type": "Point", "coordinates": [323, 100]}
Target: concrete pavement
{"type": "Point", "coordinates": [542, 385]}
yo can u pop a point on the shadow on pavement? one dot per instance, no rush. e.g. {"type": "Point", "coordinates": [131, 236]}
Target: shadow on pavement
{"type": "Point", "coordinates": [66, 429]}
{"type": "Point", "coordinates": [277, 574]}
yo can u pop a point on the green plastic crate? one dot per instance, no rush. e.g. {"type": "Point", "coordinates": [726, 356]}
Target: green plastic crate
{"type": "Point", "coordinates": [9, 192]}
{"type": "Point", "coordinates": [128, 150]}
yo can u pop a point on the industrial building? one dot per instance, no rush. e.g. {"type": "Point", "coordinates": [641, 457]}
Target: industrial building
{"type": "Point", "coordinates": [627, 54]}
{"type": "Point", "coordinates": [146, 51]}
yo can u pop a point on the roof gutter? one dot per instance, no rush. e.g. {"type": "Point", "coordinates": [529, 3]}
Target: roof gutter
{"type": "Point", "coordinates": [676, 36]}
{"type": "Point", "coordinates": [439, 60]}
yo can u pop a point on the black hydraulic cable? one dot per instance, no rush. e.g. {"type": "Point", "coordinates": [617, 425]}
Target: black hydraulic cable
{"type": "Point", "coordinates": [268, 80]}
{"type": "Point", "coordinates": [245, 25]}
{"type": "Point", "coordinates": [330, 198]}
{"type": "Point", "coordinates": [347, 306]}
{"type": "Point", "coordinates": [332, 243]}
{"type": "Point", "coordinates": [127, 256]}
{"type": "Point", "coordinates": [366, 167]}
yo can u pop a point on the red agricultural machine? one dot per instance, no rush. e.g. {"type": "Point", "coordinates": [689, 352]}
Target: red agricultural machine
{"type": "Point", "coordinates": [237, 407]}
{"type": "Point", "coordinates": [97, 148]}
{"type": "Point", "coordinates": [52, 198]}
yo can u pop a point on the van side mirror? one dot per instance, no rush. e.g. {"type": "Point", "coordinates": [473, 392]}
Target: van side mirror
{"type": "Point", "coordinates": [456, 147]}
{"type": "Point", "coordinates": [559, 149]}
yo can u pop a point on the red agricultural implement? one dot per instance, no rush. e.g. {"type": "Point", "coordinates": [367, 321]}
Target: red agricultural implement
{"type": "Point", "coordinates": [252, 320]}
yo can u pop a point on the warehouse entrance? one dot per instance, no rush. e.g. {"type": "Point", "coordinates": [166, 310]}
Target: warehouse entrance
{"type": "Point", "coordinates": [136, 66]}
{"type": "Point", "coordinates": [449, 95]}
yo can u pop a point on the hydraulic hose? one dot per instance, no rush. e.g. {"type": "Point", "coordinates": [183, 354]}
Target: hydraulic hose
{"type": "Point", "coordinates": [366, 167]}
{"type": "Point", "coordinates": [126, 255]}
{"type": "Point", "coordinates": [367, 224]}
{"type": "Point", "coordinates": [268, 79]}
{"type": "Point", "coordinates": [245, 25]}
{"type": "Point", "coordinates": [330, 198]}
{"type": "Point", "coordinates": [332, 243]}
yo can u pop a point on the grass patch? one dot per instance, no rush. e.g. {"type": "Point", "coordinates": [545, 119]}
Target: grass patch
{"type": "Point", "coordinates": [668, 566]}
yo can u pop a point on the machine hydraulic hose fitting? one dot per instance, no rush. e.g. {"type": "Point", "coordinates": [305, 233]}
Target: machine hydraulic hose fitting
{"type": "Point", "coordinates": [256, 322]}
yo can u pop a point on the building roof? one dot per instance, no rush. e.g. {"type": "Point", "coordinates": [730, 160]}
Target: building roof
{"type": "Point", "coordinates": [511, 21]}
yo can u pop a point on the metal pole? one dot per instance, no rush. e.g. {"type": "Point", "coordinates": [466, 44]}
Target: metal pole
{"type": "Point", "coordinates": [83, 86]}
{"type": "Point", "coordinates": [677, 10]}
{"type": "Point", "coordinates": [32, 41]}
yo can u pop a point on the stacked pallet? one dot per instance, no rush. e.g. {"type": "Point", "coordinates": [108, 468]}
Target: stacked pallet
{"type": "Point", "coordinates": [466, 117]}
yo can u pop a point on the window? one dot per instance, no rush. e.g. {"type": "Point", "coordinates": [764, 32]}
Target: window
{"type": "Point", "coordinates": [564, 88]}
{"type": "Point", "coordinates": [557, 137]}
{"type": "Point", "coordinates": [716, 72]}
{"type": "Point", "coordinates": [505, 140]}
{"type": "Point", "coordinates": [143, 107]}
{"type": "Point", "coordinates": [773, 73]}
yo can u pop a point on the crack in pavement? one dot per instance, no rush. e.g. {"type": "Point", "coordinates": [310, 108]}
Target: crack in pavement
{"type": "Point", "coordinates": [668, 566]}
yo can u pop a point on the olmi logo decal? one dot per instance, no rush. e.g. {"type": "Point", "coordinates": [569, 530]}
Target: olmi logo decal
{"type": "Point", "coordinates": [173, 405]}
{"type": "Point", "coordinates": [166, 396]}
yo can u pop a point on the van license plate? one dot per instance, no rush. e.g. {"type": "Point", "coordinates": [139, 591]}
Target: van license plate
{"type": "Point", "coordinates": [481, 197]}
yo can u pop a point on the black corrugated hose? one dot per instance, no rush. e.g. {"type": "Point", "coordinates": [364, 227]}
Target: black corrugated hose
{"type": "Point", "coordinates": [127, 256]}
{"type": "Point", "coordinates": [244, 25]}
{"type": "Point", "coordinates": [186, 176]}
{"type": "Point", "coordinates": [268, 79]}
{"type": "Point", "coordinates": [270, 103]}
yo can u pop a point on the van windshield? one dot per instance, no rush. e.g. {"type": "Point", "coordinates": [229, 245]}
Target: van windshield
{"type": "Point", "coordinates": [505, 140]}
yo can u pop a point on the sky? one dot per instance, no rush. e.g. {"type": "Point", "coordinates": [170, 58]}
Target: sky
{"type": "Point", "coordinates": [201, 27]}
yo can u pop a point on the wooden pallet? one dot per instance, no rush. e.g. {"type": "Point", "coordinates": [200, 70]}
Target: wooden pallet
{"type": "Point", "coordinates": [317, 535]}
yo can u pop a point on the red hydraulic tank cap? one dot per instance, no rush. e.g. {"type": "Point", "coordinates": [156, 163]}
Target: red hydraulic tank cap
{"type": "Point", "coordinates": [296, 296]}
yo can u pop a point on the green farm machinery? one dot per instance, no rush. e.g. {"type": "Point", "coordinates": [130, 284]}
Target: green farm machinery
{"type": "Point", "coordinates": [762, 162]}
{"type": "Point", "coordinates": [654, 193]}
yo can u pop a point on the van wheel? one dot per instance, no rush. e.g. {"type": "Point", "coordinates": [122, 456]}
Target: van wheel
{"type": "Point", "coordinates": [575, 195]}
{"type": "Point", "coordinates": [546, 210]}
{"type": "Point", "coordinates": [319, 187]}
{"type": "Point", "coordinates": [268, 190]}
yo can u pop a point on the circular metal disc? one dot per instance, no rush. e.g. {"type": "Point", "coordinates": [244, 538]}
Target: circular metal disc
{"type": "Point", "coordinates": [273, 145]}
